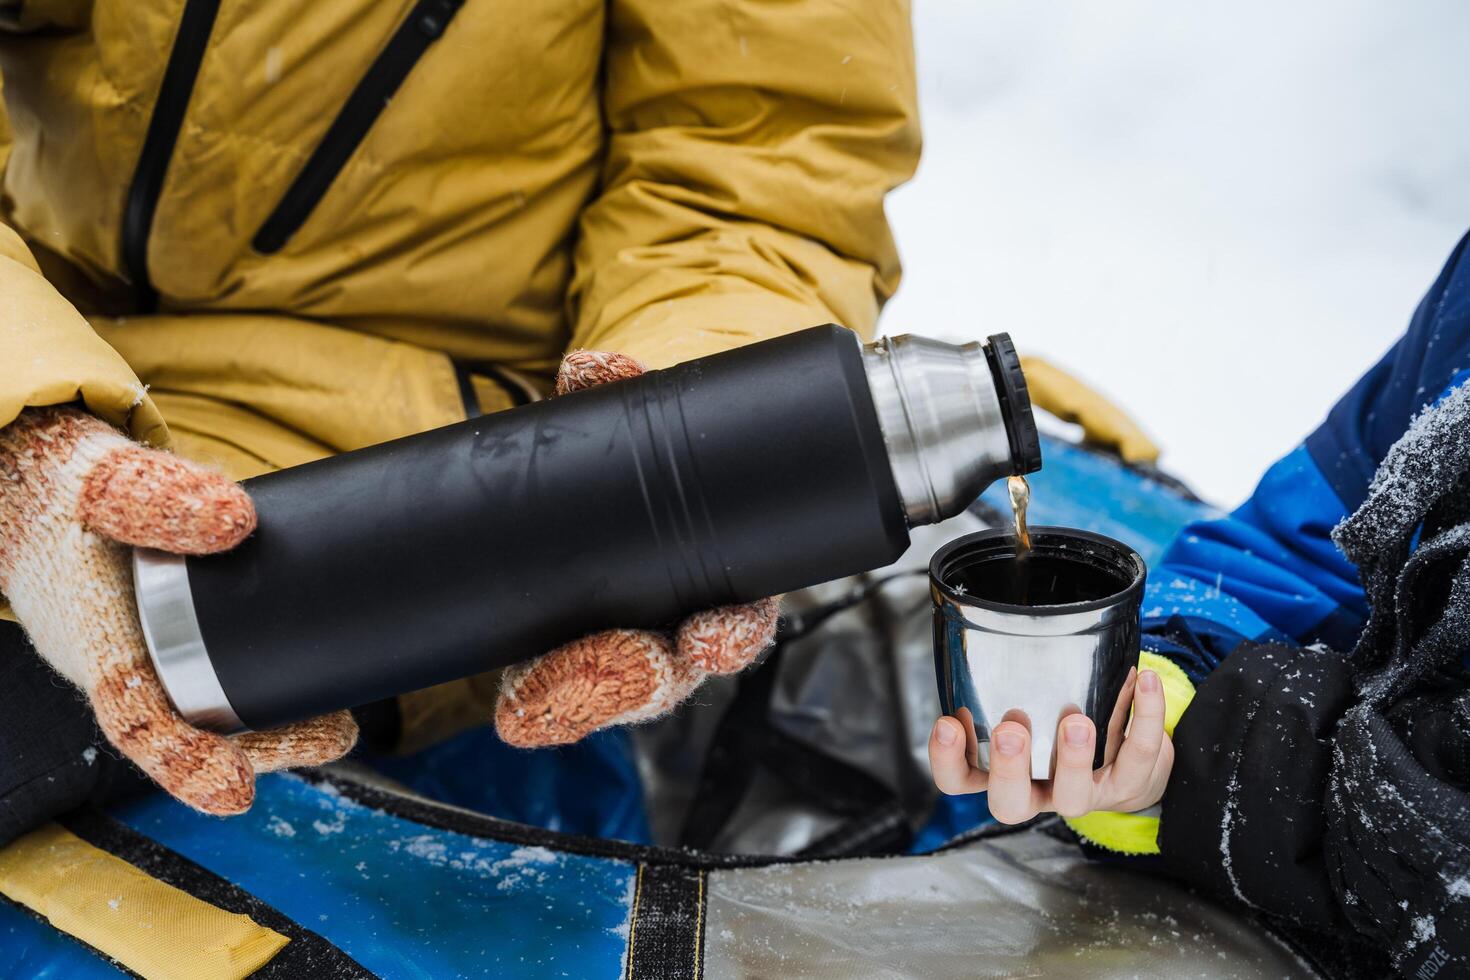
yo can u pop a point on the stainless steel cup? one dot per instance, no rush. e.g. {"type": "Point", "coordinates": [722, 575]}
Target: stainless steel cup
{"type": "Point", "coordinates": [1036, 642]}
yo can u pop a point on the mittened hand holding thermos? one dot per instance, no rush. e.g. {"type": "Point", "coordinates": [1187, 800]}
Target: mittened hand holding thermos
{"type": "Point", "coordinates": [749, 473]}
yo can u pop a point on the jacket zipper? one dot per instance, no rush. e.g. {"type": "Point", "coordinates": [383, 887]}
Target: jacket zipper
{"type": "Point", "coordinates": [158, 144]}
{"type": "Point", "coordinates": [423, 26]}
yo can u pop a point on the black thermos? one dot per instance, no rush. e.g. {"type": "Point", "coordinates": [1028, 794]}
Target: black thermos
{"type": "Point", "coordinates": [749, 473]}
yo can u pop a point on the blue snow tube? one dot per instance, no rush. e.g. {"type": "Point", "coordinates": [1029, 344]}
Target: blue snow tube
{"type": "Point", "coordinates": [535, 866]}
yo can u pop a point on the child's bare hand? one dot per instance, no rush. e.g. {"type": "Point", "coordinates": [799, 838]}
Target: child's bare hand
{"type": "Point", "coordinates": [1133, 775]}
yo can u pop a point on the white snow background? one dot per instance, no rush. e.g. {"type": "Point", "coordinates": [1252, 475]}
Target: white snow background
{"type": "Point", "coordinates": [1218, 215]}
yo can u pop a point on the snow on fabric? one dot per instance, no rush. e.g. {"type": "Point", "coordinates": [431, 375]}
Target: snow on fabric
{"type": "Point", "coordinates": [1214, 215]}
{"type": "Point", "coordinates": [403, 899]}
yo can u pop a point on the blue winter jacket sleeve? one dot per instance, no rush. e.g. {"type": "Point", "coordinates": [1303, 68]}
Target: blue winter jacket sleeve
{"type": "Point", "coordinates": [1269, 570]}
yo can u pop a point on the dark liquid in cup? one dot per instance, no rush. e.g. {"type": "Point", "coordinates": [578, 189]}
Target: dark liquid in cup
{"type": "Point", "coordinates": [1037, 579]}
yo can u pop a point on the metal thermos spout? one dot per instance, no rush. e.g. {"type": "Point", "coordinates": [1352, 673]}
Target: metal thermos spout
{"type": "Point", "coordinates": [955, 419]}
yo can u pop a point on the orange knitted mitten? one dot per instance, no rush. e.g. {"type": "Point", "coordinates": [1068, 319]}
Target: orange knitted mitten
{"type": "Point", "coordinates": [74, 493]}
{"type": "Point", "coordinates": [621, 676]}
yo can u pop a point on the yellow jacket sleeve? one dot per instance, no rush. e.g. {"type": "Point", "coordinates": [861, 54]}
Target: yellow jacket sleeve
{"type": "Point", "coordinates": [50, 355]}
{"type": "Point", "coordinates": [750, 148]}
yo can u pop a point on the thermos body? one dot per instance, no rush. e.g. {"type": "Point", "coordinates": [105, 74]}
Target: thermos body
{"type": "Point", "coordinates": [481, 544]}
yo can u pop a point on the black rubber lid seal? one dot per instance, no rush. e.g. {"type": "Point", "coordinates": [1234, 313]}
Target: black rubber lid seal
{"type": "Point", "coordinates": [1015, 404]}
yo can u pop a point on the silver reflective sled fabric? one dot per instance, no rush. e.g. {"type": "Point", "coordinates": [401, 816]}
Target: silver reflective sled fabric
{"type": "Point", "coordinates": [876, 653]}
{"type": "Point", "coordinates": [1019, 904]}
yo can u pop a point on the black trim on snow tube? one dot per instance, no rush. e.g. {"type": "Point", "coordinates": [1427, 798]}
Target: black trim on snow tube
{"type": "Point", "coordinates": [424, 25]}
{"type": "Point", "coordinates": [666, 924]}
{"type": "Point", "coordinates": [308, 954]}
{"type": "Point", "coordinates": [442, 816]}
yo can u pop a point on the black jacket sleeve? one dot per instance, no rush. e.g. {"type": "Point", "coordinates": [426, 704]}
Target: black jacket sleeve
{"type": "Point", "coordinates": [1333, 821]}
{"type": "Point", "coordinates": [53, 758]}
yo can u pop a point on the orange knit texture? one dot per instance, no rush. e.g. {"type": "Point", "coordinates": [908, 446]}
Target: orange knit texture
{"type": "Point", "coordinates": [576, 688]}
{"type": "Point", "coordinates": [142, 497]}
{"type": "Point", "coordinates": [74, 494]}
{"type": "Point", "coordinates": [623, 676]}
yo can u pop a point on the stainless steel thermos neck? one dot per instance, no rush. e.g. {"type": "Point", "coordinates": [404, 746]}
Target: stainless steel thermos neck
{"type": "Point", "coordinates": [748, 473]}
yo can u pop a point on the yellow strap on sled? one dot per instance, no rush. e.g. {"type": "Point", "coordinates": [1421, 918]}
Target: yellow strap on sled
{"type": "Point", "coordinates": [1103, 423]}
{"type": "Point", "coordinates": [148, 926]}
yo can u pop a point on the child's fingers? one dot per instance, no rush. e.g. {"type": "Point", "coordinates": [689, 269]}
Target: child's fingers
{"type": "Point", "coordinates": [1119, 719]}
{"type": "Point", "coordinates": [1072, 783]}
{"type": "Point", "coordinates": [1012, 797]}
{"type": "Point", "coordinates": [1140, 751]}
{"type": "Point", "coordinates": [1160, 776]}
{"type": "Point", "coordinates": [948, 762]}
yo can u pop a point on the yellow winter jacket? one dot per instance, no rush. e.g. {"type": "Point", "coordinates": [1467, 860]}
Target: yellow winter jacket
{"type": "Point", "coordinates": [263, 231]}
{"type": "Point", "coordinates": [285, 219]}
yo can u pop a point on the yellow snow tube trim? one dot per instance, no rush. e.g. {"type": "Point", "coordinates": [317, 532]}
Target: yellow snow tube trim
{"type": "Point", "coordinates": [1137, 833]}
{"type": "Point", "coordinates": [148, 926]}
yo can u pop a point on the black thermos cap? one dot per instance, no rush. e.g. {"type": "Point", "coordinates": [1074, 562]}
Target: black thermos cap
{"type": "Point", "coordinates": [1015, 404]}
